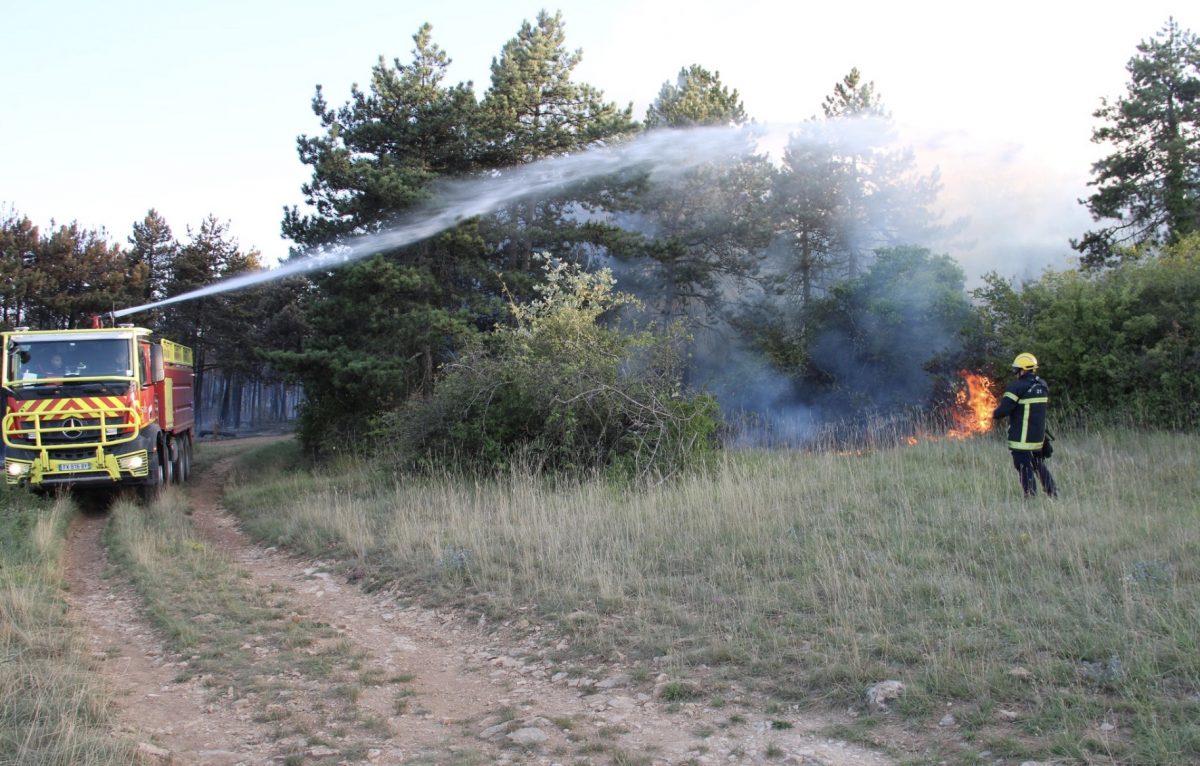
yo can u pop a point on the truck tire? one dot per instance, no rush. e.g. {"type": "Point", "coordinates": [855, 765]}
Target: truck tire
{"type": "Point", "coordinates": [166, 464]}
{"type": "Point", "coordinates": [149, 489]}
{"type": "Point", "coordinates": [191, 451]}
{"type": "Point", "coordinates": [176, 453]}
{"type": "Point", "coordinates": [184, 470]}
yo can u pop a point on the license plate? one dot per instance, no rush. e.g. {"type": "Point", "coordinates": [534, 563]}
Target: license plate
{"type": "Point", "coordinates": [74, 466]}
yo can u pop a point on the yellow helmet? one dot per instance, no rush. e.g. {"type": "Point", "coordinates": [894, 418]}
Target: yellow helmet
{"type": "Point", "coordinates": [1026, 362]}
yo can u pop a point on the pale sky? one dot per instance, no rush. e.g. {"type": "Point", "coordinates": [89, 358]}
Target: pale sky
{"type": "Point", "coordinates": [112, 108]}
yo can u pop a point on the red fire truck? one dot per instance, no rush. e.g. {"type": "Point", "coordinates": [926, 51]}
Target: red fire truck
{"type": "Point", "coordinates": [105, 407]}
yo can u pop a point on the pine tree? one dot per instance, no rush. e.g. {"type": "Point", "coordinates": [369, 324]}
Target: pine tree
{"type": "Point", "coordinates": [534, 109]}
{"type": "Point", "coordinates": [381, 151]}
{"type": "Point", "coordinates": [1150, 185]}
{"type": "Point", "coordinates": [19, 242]}
{"type": "Point", "coordinates": [853, 98]}
{"type": "Point", "coordinates": [150, 260]}
{"type": "Point", "coordinates": [376, 330]}
{"type": "Point", "coordinates": [709, 226]}
{"type": "Point", "coordinates": [697, 97]}
{"type": "Point", "coordinates": [872, 193]}
{"type": "Point", "coordinates": [217, 327]}
{"type": "Point", "coordinates": [379, 330]}
{"type": "Point", "coordinates": [72, 274]}
{"type": "Point", "coordinates": [808, 210]}
{"type": "Point", "coordinates": [842, 193]}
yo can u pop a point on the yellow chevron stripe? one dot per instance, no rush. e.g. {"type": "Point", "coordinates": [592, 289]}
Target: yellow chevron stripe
{"type": "Point", "coordinates": [45, 406]}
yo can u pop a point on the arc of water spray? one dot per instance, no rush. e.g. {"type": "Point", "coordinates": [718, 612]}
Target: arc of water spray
{"type": "Point", "coordinates": [660, 153]}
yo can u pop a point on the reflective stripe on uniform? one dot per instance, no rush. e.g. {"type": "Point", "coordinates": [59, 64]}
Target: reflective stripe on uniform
{"type": "Point", "coordinates": [1027, 403]}
{"type": "Point", "coordinates": [1011, 395]}
{"type": "Point", "coordinates": [1025, 445]}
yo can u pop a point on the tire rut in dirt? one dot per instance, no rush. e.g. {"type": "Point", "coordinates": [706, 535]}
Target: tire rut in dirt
{"type": "Point", "coordinates": [135, 664]}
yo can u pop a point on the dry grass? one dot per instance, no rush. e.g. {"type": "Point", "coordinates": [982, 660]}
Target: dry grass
{"type": "Point", "coordinates": [814, 574]}
{"type": "Point", "coordinates": [53, 708]}
{"type": "Point", "coordinates": [243, 639]}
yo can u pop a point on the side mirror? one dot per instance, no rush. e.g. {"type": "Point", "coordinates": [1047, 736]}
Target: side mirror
{"type": "Point", "coordinates": [157, 372]}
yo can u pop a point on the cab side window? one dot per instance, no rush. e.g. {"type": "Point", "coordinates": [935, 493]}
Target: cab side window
{"type": "Point", "coordinates": [143, 361]}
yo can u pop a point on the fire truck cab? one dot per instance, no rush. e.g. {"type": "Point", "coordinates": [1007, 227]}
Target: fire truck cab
{"type": "Point", "coordinates": [104, 407]}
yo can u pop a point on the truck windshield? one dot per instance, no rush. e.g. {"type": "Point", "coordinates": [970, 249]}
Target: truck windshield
{"type": "Point", "coordinates": [56, 360]}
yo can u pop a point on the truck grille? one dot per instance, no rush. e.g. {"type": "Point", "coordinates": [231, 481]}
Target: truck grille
{"type": "Point", "coordinates": [63, 431]}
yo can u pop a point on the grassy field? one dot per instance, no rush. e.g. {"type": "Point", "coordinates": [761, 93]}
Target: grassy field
{"type": "Point", "coordinates": [1060, 629]}
{"type": "Point", "coordinates": [53, 707]}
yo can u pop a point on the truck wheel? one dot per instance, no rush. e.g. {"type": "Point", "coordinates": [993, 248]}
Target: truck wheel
{"type": "Point", "coordinates": [149, 489]}
{"type": "Point", "coordinates": [167, 465]}
{"type": "Point", "coordinates": [184, 470]}
{"type": "Point", "coordinates": [177, 460]}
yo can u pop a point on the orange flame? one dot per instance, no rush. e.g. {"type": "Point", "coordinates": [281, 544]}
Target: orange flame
{"type": "Point", "coordinates": [972, 412]}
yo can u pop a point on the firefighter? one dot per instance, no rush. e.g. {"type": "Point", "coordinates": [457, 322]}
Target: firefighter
{"type": "Point", "coordinates": [1024, 404]}
{"type": "Point", "coordinates": [52, 367]}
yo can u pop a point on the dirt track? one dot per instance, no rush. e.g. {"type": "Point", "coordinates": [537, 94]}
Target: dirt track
{"type": "Point", "coordinates": [481, 693]}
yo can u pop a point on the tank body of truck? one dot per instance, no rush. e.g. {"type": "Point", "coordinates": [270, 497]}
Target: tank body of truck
{"type": "Point", "coordinates": [105, 407]}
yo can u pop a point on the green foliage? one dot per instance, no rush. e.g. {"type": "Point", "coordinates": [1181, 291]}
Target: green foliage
{"type": "Point", "coordinates": [808, 194]}
{"type": "Point", "coordinates": [376, 332]}
{"type": "Point", "coordinates": [151, 258]}
{"type": "Point", "coordinates": [380, 151]}
{"type": "Point", "coordinates": [1125, 339]}
{"type": "Point", "coordinates": [1148, 185]}
{"type": "Point", "coordinates": [710, 224]}
{"type": "Point", "coordinates": [698, 97]}
{"type": "Point", "coordinates": [560, 391]}
{"type": "Point", "coordinates": [58, 280]}
{"type": "Point", "coordinates": [871, 342]}
{"type": "Point", "coordinates": [853, 98]}
{"type": "Point", "coordinates": [534, 108]}
{"type": "Point", "coordinates": [373, 332]}
{"type": "Point", "coordinates": [841, 194]}
{"type": "Point", "coordinates": [374, 336]}
{"type": "Point", "coordinates": [221, 328]}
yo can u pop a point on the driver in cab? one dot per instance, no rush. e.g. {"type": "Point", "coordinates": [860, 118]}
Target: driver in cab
{"type": "Point", "coordinates": [50, 367]}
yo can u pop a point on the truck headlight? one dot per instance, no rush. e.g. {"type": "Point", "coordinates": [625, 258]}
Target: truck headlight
{"type": "Point", "coordinates": [17, 469]}
{"type": "Point", "coordinates": [131, 463]}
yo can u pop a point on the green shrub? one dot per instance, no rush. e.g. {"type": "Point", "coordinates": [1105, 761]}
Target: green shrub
{"type": "Point", "coordinates": [562, 391]}
{"type": "Point", "coordinates": [1126, 339]}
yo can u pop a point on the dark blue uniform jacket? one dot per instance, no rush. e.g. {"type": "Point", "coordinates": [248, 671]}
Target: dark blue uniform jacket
{"type": "Point", "coordinates": [1024, 404]}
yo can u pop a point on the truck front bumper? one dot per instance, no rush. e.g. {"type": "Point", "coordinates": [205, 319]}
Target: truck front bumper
{"type": "Point", "coordinates": [43, 468]}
